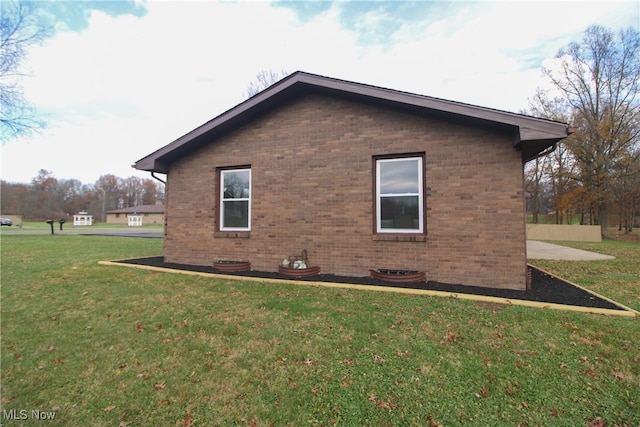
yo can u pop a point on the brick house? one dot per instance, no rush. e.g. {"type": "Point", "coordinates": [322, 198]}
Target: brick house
{"type": "Point", "coordinates": [361, 177]}
{"type": "Point", "coordinates": [147, 214]}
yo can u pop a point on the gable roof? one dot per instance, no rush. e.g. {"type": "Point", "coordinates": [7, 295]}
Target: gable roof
{"type": "Point", "coordinates": [531, 135]}
{"type": "Point", "coordinates": [142, 209]}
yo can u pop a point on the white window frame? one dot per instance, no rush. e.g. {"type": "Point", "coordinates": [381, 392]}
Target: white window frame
{"type": "Point", "coordinates": [420, 194]}
{"type": "Point", "coordinates": [223, 200]}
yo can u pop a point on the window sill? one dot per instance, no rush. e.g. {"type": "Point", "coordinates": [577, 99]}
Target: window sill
{"type": "Point", "coordinates": [399, 237]}
{"type": "Point", "coordinates": [233, 234]}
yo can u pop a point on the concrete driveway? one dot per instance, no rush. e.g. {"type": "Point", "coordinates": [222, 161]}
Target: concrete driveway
{"type": "Point", "coordinates": [543, 250]}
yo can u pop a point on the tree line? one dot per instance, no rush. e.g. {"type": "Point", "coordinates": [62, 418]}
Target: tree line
{"type": "Point", "coordinates": [594, 174]}
{"type": "Point", "coordinates": [47, 197]}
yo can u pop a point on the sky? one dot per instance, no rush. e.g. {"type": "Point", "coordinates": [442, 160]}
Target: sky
{"type": "Point", "coordinates": [118, 80]}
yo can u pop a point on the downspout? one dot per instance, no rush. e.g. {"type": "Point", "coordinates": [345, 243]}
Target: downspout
{"type": "Point", "coordinates": [545, 152]}
{"type": "Point", "coordinates": [527, 268]}
{"type": "Point", "coordinates": [153, 175]}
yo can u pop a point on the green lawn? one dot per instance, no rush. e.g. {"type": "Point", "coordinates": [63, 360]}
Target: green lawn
{"type": "Point", "coordinates": [114, 346]}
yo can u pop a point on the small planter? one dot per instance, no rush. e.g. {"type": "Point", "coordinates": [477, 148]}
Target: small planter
{"type": "Point", "coordinates": [398, 276]}
{"type": "Point", "coordinates": [232, 266]}
{"type": "Point", "coordinates": [299, 272]}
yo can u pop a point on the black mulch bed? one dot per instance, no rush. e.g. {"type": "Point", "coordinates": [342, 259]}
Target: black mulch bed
{"type": "Point", "coordinates": [544, 288]}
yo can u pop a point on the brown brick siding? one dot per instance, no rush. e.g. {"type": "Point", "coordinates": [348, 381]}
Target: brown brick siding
{"type": "Point", "coordinates": [312, 188]}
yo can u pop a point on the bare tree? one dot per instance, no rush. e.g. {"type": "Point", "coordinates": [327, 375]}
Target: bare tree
{"type": "Point", "coordinates": [535, 186]}
{"type": "Point", "coordinates": [152, 192]}
{"type": "Point", "coordinates": [600, 79]}
{"type": "Point", "coordinates": [43, 201]}
{"type": "Point", "coordinates": [264, 79]}
{"type": "Point", "coordinates": [20, 29]}
{"type": "Point", "coordinates": [551, 175]}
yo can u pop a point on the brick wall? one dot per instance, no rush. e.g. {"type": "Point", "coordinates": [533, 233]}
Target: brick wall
{"type": "Point", "coordinates": [312, 188]}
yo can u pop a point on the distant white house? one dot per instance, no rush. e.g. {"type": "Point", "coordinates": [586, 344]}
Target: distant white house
{"type": "Point", "coordinates": [136, 216]}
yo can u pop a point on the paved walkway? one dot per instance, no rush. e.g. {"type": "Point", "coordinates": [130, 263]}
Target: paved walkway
{"type": "Point", "coordinates": [543, 250]}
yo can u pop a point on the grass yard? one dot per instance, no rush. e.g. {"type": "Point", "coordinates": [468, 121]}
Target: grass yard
{"type": "Point", "coordinates": [96, 345]}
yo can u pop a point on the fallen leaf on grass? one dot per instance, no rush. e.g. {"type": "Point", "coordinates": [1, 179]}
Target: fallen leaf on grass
{"type": "Point", "coordinates": [386, 404]}
{"type": "Point", "coordinates": [109, 408]}
{"type": "Point", "coordinates": [188, 420]}
{"type": "Point", "coordinates": [433, 423]}
{"type": "Point", "coordinates": [596, 422]}
{"type": "Point", "coordinates": [139, 327]}
{"type": "Point", "coordinates": [482, 393]}
{"type": "Point", "coordinates": [159, 386]}
{"type": "Point", "coordinates": [406, 353]}
{"type": "Point", "coordinates": [450, 336]}
{"type": "Point", "coordinates": [378, 359]}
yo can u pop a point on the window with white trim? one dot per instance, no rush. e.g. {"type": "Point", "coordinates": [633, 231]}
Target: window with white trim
{"type": "Point", "coordinates": [399, 195]}
{"type": "Point", "coordinates": [235, 199]}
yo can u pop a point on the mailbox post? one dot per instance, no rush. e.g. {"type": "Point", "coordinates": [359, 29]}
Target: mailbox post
{"type": "Point", "coordinates": [50, 222]}
{"type": "Point", "coordinates": [61, 221]}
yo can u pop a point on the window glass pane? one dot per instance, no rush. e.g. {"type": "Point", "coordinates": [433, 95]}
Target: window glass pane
{"type": "Point", "coordinates": [235, 214]}
{"type": "Point", "coordinates": [399, 213]}
{"type": "Point", "coordinates": [399, 176]}
{"type": "Point", "coordinates": [236, 184]}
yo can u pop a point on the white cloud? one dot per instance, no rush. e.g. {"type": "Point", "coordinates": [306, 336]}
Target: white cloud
{"type": "Point", "coordinates": [127, 85]}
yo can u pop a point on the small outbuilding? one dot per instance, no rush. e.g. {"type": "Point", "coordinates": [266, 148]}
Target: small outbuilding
{"type": "Point", "coordinates": [82, 219]}
{"type": "Point", "coordinates": [356, 178]}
